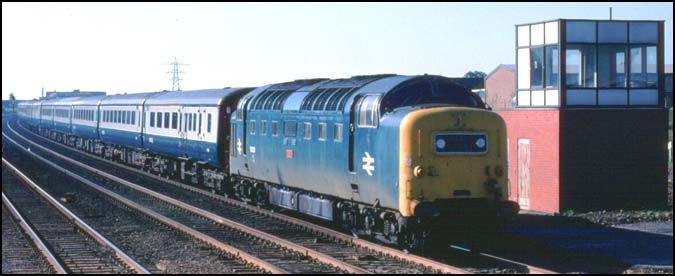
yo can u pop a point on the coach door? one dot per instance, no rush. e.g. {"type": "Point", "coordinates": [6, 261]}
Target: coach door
{"type": "Point", "coordinates": [242, 120]}
{"type": "Point", "coordinates": [524, 173]}
{"type": "Point", "coordinates": [182, 128]}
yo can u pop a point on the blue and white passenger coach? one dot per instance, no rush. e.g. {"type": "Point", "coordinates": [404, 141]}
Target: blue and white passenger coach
{"type": "Point", "coordinates": [192, 125]}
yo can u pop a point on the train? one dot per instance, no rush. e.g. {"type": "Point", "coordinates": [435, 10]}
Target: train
{"type": "Point", "coordinates": [389, 156]}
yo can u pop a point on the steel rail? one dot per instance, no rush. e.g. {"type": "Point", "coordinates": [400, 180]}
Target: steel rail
{"type": "Point", "coordinates": [163, 219]}
{"type": "Point", "coordinates": [77, 221]}
{"type": "Point", "coordinates": [56, 265]}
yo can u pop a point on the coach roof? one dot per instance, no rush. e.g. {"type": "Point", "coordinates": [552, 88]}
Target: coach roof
{"type": "Point", "coordinates": [192, 97]}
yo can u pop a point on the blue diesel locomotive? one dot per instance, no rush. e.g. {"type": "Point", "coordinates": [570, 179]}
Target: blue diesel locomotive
{"type": "Point", "coordinates": [386, 154]}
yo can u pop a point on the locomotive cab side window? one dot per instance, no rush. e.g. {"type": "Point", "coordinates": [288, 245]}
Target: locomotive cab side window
{"type": "Point", "coordinates": [368, 111]}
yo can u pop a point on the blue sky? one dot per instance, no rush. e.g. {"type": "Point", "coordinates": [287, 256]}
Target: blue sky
{"type": "Point", "coordinates": [125, 47]}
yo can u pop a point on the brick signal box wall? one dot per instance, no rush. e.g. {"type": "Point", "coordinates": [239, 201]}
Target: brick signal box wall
{"type": "Point", "coordinates": [588, 127]}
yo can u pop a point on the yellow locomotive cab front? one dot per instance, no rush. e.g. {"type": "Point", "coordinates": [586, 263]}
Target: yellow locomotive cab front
{"type": "Point", "coordinates": [452, 156]}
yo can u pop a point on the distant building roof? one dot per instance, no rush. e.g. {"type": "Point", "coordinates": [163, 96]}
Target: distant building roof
{"type": "Point", "coordinates": [509, 67]}
{"type": "Point", "coordinates": [74, 93]}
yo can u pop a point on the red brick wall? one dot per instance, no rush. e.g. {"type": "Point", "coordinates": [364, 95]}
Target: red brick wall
{"type": "Point", "coordinates": [500, 88]}
{"type": "Point", "coordinates": [613, 158]}
{"type": "Point", "coordinates": [542, 128]}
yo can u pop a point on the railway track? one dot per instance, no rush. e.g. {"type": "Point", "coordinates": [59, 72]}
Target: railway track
{"type": "Point", "coordinates": [198, 252]}
{"type": "Point", "coordinates": [74, 245]}
{"type": "Point", "coordinates": [19, 256]}
{"type": "Point", "coordinates": [358, 253]}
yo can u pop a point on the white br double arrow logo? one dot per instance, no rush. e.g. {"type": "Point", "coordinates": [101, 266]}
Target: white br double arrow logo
{"type": "Point", "coordinates": [368, 164]}
{"type": "Point", "coordinates": [239, 149]}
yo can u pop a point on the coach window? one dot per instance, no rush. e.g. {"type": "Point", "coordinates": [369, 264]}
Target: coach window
{"type": "Point", "coordinates": [159, 119]}
{"type": "Point", "coordinates": [322, 131]}
{"type": "Point", "coordinates": [208, 123]}
{"type": "Point", "coordinates": [337, 132]}
{"type": "Point", "coordinates": [274, 128]}
{"type": "Point", "coordinates": [194, 121]}
{"type": "Point", "coordinates": [174, 120]}
{"type": "Point", "coordinates": [167, 118]}
{"type": "Point", "coordinates": [124, 117]}
{"type": "Point", "coordinates": [152, 119]}
{"type": "Point", "coordinates": [368, 115]}
{"type": "Point", "coordinates": [307, 131]}
{"type": "Point", "coordinates": [200, 123]}
{"type": "Point", "coordinates": [185, 122]}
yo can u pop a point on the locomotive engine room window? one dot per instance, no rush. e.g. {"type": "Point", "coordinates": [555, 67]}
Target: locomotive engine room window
{"type": "Point", "coordinates": [337, 132]}
{"type": "Point", "coordinates": [307, 131]}
{"type": "Point", "coordinates": [322, 131]}
{"type": "Point", "coordinates": [263, 127]}
{"type": "Point", "coordinates": [174, 120]}
{"type": "Point", "coordinates": [368, 115]}
{"type": "Point", "coordinates": [274, 128]}
{"type": "Point", "coordinates": [251, 125]}
{"type": "Point", "coordinates": [290, 128]}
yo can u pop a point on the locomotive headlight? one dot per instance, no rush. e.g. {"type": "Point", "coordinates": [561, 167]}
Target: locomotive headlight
{"type": "Point", "coordinates": [480, 143]}
{"type": "Point", "coordinates": [440, 143]}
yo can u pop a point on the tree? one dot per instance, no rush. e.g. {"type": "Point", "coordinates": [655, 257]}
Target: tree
{"type": "Point", "coordinates": [475, 74]}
